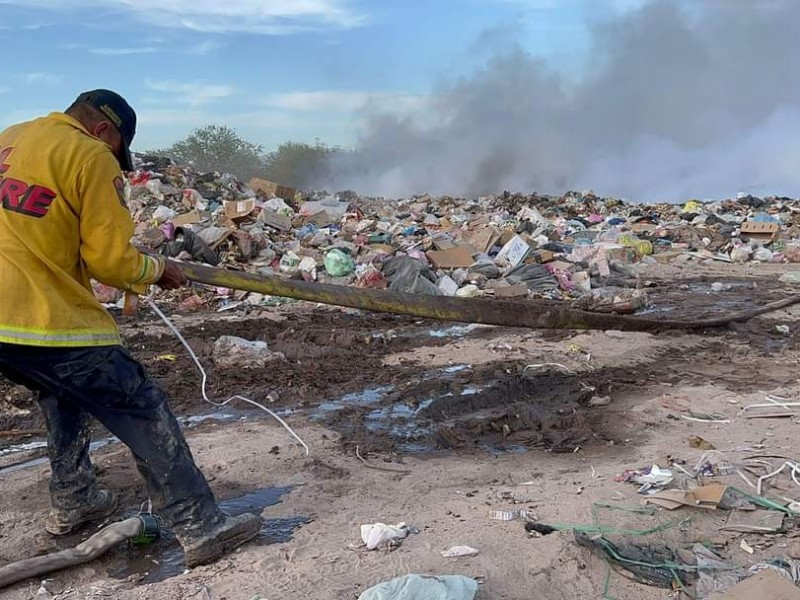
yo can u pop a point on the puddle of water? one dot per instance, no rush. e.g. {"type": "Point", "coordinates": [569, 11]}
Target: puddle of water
{"type": "Point", "coordinates": [401, 422]}
{"type": "Point", "coordinates": [455, 369]}
{"type": "Point", "coordinates": [186, 422]}
{"type": "Point", "coordinates": [255, 501]}
{"type": "Point", "coordinates": [16, 448]}
{"type": "Point", "coordinates": [43, 460]}
{"type": "Point", "coordinates": [453, 331]}
{"type": "Point", "coordinates": [165, 560]}
{"type": "Point", "coordinates": [197, 419]}
{"type": "Point", "coordinates": [362, 399]}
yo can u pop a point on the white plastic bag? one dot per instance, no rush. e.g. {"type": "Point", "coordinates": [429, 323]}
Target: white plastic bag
{"type": "Point", "coordinates": [379, 534]}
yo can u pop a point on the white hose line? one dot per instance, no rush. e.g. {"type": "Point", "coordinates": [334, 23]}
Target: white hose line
{"type": "Point", "coordinates": [205, 378]}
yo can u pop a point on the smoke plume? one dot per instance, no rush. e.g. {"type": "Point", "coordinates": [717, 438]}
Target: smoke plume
{"type": "Point", "coordinates": [677, 101]}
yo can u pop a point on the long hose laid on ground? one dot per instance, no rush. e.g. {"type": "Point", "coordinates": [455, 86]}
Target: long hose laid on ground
{"type": "Point", "coordinates": [536, 314]}
{"type": "Point", "coordinates": [84, 552]}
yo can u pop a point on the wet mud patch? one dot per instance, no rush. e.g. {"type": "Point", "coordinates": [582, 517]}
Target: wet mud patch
{"type": "Point", "coordinates": [538, 411]}
{"type": "Point", "coordinates": [503, 407]}
{"type": "Point", "coordinates": [327, 354]}
{"type": "Point", "coordinates": [491, 408]}
{"type": "Point", "coordinates": [165, 559]}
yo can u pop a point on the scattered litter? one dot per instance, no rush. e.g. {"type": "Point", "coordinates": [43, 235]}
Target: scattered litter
{"type": "Point", "coordinates": [232, 351]}
{"type": "Point", "coordinates": [705, 418]}
{"type": "Point", "coordinates": [766, 585]}
{"type": "Point", "coordinates": [774, 407]}
{"type": "Point", "coordinates": [708, 496]}
{"type": "Point", "coordinates": [599, 401]}
{"type": "Point", "coordinates": [423, 587]}
{"type": "Point", "coordinates": [652, 563]}
{"type": "Point", "coordinates": [649, 478]}
{"type": "Point", "coordinates": [695, 441]}
{"type": "Point", "coordinates": [459, 551]}
{"type": "Point", "coordinates": [746, 547]}
{"type": "Point", "coordinates": [380, 534]}
{"type": "Point", "coordinates": [510, 515]}
{"type": "Point", "coordinates": [754, 521]}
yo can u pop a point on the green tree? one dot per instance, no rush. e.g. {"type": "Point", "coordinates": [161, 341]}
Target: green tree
{"type": "Point", "coordinates": [299, 165]}
{"type": "Point", "coordinates": [218, 148]}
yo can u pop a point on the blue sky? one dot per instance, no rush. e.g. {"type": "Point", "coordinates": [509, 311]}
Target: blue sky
{"type": "Point", "coordinates": [274, 70]}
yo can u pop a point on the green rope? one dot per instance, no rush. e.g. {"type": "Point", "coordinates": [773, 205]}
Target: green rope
{"type": "Point", "coordinates": [609, 549]}
{"type": "Point", "coordinates": [764, 502]}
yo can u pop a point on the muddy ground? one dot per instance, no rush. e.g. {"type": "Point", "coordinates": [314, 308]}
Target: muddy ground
{"type": "Point", "coordinates": [432, 424]}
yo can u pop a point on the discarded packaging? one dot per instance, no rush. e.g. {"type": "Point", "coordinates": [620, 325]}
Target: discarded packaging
{"type": "Point", "coordinates": [423, 587]}
{"type": "Point", "coordinates": [765, 585]}
{"type": "Point", "coordinates": [379, 534]}
{"type": "Point", "coordinates": [459, 551]}
{"type": "Point", "coordinates": [231, 351]}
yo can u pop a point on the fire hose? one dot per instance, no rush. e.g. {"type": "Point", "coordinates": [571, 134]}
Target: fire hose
{"type": "Point", "coordinates": [541, 314]}
{"type": "Point", "coordinates": [141, 529]}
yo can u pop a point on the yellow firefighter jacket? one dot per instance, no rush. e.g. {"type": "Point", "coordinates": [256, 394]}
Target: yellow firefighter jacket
{"type": "Point", "coordinates": [63, 219]}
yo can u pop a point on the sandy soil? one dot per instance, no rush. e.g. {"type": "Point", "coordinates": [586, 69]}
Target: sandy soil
{"type": "Point", "coordinates": [436, 425]}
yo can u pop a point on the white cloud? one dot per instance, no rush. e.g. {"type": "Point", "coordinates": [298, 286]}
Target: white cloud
{"type": "Point", "coordinates": [204, 48]}
{"type": "Point", "coordinates": [28, 27]}
{"type": "Point", "coordinates": [123, 51]}
{"type": "Point", "coordinates": [273, 17]}
{"type": "Point", "coordinates": [346, 101]}
{"type": "Point", "coordinates": [45, 78]}
{"type": "Point", "coordinates": [172, 117]}
{"type": "Point", "coordinates": [192, 93]}
{"type": "Point", "coordinates": [534, 4]}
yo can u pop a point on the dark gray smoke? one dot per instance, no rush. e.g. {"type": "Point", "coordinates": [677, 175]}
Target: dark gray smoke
{"type": "Point", "coordinates": [678, 100]}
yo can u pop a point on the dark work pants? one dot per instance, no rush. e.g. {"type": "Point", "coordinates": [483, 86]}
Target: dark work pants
{"type": "Point", "coordinates": [110, 385]}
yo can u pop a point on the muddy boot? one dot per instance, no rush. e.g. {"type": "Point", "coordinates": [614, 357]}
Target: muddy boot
{"type": "Point", "coordinates": [228, 534]}
{"type": "Point", "coordinates": [64, 522]}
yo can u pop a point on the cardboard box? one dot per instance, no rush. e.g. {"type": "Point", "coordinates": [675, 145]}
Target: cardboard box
{"type": "Point", "coordinates": [543, 256]}
{"type": "Point", "coordinates": [187, 218]}
{"type": "Point", "coordinates": [452, 258]}
{"type": "Point", "coordinates": [239, 209]}
{"type": "Point", "coordinates": [320, 219]}
{"type": "Point", "coordinates": [275, 220]}
{"type": "Point", "coordinates": [514, 251]}
{"type": "Point", "coordinates": [269, 189]}
{"type": "Point", "coordinates": [442, 241]}
{"type": "Point", "coordinates": [482, 240]}
{"type": "Point", "coordinates": [518, 290]}
{"type": "Point", "coordinates": [759, 231]}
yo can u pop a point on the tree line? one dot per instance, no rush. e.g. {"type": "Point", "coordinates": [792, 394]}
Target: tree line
{"type": "Point", "coordinates": [221, 148]}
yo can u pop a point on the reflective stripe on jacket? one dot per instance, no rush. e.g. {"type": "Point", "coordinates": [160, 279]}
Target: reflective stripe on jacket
{"type": "Point", "coordinates": [63, 220]}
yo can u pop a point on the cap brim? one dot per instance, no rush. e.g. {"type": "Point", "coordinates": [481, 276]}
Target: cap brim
{"type": "Point", "coordinates": [125, 159]}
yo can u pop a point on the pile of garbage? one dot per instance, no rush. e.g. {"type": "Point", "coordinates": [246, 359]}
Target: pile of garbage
{"type": "Point", "coordinates": [577, 246]}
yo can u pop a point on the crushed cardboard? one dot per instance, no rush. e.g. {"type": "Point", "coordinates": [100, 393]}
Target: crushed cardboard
{"type": "Point", "coordinates": [458, 257]}
{"type": "Point", "coordinates": [269, 189]}
{"type": "Point", "coordinates": [765, 585]}
{"type": "Point", "coordinates": [239, 209]}
{"type": "Point", "coordinates": [707, 496]}
{"type": "Point", "coordinates": [754, 521]}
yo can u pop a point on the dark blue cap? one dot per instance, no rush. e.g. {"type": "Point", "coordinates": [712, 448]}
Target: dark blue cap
{"type": "Point", "coordinates": [120, 113]}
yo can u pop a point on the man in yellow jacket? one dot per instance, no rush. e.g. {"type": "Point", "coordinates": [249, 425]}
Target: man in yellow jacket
{"type": "Point", "coordinates": [63, 220]}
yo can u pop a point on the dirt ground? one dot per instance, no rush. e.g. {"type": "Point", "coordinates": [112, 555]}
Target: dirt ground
{"type": "Point", "coordinates": [435, 425]}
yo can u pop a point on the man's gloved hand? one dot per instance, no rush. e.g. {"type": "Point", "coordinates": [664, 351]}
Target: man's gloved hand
{"type": "Point", "coordinates": [172, 278]}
